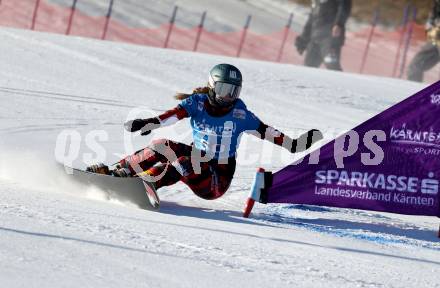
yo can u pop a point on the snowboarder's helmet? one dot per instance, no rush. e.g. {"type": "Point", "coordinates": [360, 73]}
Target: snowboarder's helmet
{"type": "Point", "coordinates": [225, 85]}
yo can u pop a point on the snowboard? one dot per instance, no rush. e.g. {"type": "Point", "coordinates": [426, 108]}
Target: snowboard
{"type": "Point", "coordinates": [130, 189]}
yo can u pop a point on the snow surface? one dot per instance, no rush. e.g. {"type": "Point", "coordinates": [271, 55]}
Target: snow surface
{"type": "Point", "coordinates": [54, 233]}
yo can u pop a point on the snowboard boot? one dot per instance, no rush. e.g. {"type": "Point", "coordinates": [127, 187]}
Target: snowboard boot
{"type": "Point", "coordinates": [99, 168]}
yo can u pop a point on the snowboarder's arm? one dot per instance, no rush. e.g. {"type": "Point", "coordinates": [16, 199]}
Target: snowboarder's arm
{"type": "Point", "coordinates": [302, 143]}
{"type": "Point", "coordinates": [147, 125]}
{"type": "Point", "coordinates": [173, 116]}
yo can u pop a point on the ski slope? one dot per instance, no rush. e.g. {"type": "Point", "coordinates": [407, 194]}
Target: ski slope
{"type": "Point", "coordinates": [54, 233]}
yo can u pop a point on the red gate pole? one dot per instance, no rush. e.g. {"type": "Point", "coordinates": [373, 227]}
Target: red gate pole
{"type": "Point", "coordinates": [258, 186]}
{"type": "Point", "coordinates": [402, 33]}
{"type": "Point", "coordinates": [170, 29]}
{"type": "Point", "coordinates": [199, 31]}
{"type": "Point", "coordinates": [286, 33]}
{"type": "Point", "coordinates": [243, 35]}
{"type": "Point", "coordinates": [408, 42]}
{"type": "Point", "coordinates": [370, 37]}
{"type": "Point", "coordinates": [72, 13]}
{"type": "Point", "coordinates": [107, 20]}
{"type": "Point", "coordinates": [34, 18]}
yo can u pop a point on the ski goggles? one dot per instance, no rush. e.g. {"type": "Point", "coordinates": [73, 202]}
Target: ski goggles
{"type": "Point", "coordinates": [225, 92]}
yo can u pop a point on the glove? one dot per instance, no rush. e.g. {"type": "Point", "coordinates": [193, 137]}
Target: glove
{"type": "Point", "coordinates": [145, 125]}
{"type": "Point", "coordinates": [306, 140]}
{"type": "Point", "coordinates": [301, 43]}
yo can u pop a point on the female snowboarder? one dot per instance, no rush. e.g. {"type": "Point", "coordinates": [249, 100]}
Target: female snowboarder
{"type": "Point", "coordinates": [218, 117]}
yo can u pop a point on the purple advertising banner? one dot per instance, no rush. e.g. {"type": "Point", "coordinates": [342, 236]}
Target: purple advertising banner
{"type": "Point", "coordinates": [389, 163]}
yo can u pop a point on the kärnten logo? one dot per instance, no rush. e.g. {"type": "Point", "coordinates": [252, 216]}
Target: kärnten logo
{"type": "Point", "coordinates": [405, 135]}
{"type": "Point", "coordinates": [435, 99]}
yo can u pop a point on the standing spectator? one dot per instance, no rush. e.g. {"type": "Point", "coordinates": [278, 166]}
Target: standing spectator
{"type": "Point", "coordinates": [429, 54]}
{"type": "Point", "coordinates": [324, 33]}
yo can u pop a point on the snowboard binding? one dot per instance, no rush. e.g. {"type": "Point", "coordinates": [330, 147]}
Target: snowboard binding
{"type": "Point", "coordinates": [101, 168]}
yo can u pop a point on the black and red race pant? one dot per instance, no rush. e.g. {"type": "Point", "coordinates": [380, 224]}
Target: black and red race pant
{"type": "Point", "coordinates": [169, 162]}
